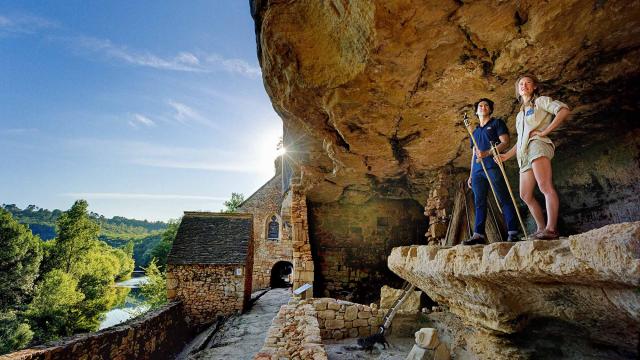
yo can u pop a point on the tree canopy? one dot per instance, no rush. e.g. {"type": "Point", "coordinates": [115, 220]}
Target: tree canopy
{"type": "Point", "coordinates": [74, 276]}
{"type": "Point", "coordinates": [234, 203]}
{"type": "Point", "coordinates": [19, 261]}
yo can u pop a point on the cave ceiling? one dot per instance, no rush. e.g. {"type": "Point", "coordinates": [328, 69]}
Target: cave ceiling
{"type": "Point", "coordinates": [372, 93]}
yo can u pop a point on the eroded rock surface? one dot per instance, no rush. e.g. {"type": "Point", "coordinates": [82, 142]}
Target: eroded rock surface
{"type": "Point", "coordinates": [586, 284]}
{"type": "Point", "coordinates": [371, 92]}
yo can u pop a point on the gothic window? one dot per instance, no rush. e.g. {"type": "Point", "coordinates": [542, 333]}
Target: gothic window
{"type": "Point", "coordinates": [273, 229]}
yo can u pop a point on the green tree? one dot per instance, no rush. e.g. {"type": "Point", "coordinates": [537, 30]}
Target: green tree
{"type": "Point", "coordinates": [161, 251]}
{"type": "Point", "coordinates": [89, 267]}
{"type": "Point", "coordinates": [155, 290]}
{"type": "Point", "coordinates": [233, 203]}
{"type": "Point", "coordinates": [128, 249]}
{"type": "Point", "coordinates": [95, 274]}
{"type": "Point", "coordinates": [20, 258]}
{"type": "Point", "coordinates": [14, 334]}
{"type": "Point", "coordinates": [77, 235]}
{"type": "Point", "coordinates": [53, 311]}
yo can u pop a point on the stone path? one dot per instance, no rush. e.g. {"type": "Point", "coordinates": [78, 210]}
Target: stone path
{"type": "Point", "coordinates": [348, 349]}
{"type": "Point", "coordinates": [243, 336]}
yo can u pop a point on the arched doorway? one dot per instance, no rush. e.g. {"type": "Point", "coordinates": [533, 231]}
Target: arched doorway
{"type": "Point", "coordinates": [281, 274]}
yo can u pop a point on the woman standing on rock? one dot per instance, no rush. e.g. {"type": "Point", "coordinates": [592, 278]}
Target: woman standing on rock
{"type": "Point", "coordinates": [538, 116]}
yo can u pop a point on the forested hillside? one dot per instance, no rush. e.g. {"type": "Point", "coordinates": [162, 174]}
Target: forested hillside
{"type": "Point", "coordinates": [117, 231]}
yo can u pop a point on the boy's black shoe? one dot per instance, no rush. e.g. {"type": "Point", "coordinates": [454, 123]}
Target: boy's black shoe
{"type": "Point", "coordinates": [513, 237]}
{"type": "Point", "coordinates": [475, 240]}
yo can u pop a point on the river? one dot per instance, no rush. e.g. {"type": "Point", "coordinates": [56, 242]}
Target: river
{"type": "Point", "coordinates": [132, 306]}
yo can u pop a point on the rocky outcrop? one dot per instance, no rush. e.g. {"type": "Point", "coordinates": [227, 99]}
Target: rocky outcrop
{"type": "Point", "coordinates": [371, 92]}
{"type": "Point", "coordinates": [585, 287]}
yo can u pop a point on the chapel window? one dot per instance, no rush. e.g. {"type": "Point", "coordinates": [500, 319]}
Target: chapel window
{"type": "Point", "coordinates": [273, 229]}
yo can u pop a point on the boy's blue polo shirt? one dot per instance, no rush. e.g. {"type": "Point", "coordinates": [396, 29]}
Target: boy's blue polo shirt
{"type": "Point", "coordinates": [485, 136]}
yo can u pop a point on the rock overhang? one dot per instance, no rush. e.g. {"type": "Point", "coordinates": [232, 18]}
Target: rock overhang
{"type": "Point", "coordinates": [376, 89]}
{"type": "Point", "coordinates": [590, 280]}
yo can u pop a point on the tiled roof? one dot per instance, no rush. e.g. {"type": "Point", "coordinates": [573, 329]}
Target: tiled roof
{"type": "Point", "coordinates": [212, 238]}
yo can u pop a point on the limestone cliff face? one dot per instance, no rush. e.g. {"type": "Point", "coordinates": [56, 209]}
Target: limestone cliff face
{"type": "Point", "coordinates": [579, 291]}
{"type": "Point", "coordinates": [371, 92]}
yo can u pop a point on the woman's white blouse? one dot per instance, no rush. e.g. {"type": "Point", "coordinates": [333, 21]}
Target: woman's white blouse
{"type": "Point", "coordinates": [538, 118]}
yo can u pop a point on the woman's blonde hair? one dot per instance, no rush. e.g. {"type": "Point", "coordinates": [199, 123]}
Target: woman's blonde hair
{"type": "Point", "coordinates": [536, 83]}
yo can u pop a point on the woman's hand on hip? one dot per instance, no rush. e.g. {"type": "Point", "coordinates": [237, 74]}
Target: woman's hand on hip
{"type": "Point", "coordinates": [537, 133]}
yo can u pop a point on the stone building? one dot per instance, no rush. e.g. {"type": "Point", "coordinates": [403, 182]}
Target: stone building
{"type": "Point", "coordinates": [210, 265]}
{"type": "Point", "coordinates": [273, 251]}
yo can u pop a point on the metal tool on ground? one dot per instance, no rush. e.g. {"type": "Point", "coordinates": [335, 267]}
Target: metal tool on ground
{"type": "Point", "coordinates": [467, 126]}
{"type": "Point", "coordinates": [494, 150]}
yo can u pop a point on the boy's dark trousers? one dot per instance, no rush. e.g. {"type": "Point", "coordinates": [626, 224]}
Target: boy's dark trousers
{"type": "Point", "coordinates": [480, 187]}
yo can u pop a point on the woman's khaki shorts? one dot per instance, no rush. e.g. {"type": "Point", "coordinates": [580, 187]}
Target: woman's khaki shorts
{"type": "Point", "coordinates": [536, 149]}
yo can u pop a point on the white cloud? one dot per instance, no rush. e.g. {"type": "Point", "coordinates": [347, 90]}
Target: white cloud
{"type": "Point", "coordinates": [18, 131]}
{"type": "Point", "coordinates": [177, 157]}
{"type": "Point", "coordinates": [185, 114]}
{"type": "Point", "coordinates": [141, 119]}
{"type": "Point", "coordinates": [23, 24]}
{"type": "Point", "coordinates": [138, 196]}
{"type": "Point", "coordinates": [234, 66]}
{"type": "Point", "coordinates": [183, 61]}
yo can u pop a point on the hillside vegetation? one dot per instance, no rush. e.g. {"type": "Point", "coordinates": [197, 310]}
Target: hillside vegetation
{"type": "Point", "coordinates": [116, 232]}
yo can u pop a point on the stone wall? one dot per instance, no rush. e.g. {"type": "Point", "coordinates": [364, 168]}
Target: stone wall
{"type": "Point", "coordinates": [303, 266]}
{"type": "Point", "coordinates": [294, 334]}
{"type": "Point", "coordinates": [155, 335]}
{"type": "Point", "coordinates": [208, 290]}
{"type": "Point", "coordinates": [342, 319]}
{"type": "Point", "coordinates": [300, 326]}
{"type": "Point", "coordinates": [599, 184]}
{"type": "Point", "coordinates": [351, 244]}
{"type": "Point", "coordinates": [264, 204]}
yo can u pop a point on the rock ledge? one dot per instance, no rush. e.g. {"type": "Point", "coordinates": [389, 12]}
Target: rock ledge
{"type": "Point", "coordinates": [589, 281]}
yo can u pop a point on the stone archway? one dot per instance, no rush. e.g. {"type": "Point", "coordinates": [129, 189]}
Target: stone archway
{"type": "Point", "coordinates": [281, 275]}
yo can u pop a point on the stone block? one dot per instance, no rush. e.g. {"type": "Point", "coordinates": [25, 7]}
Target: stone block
{"type": "Point", "coordinates": [374, 321]}
{"type": "Point", "coordinates": [320, 305]}
{"type": "Point", "coordinates": [327, 314]}
{"type": "Point", "coordinates": [427, 338]}
{"type": "Point", "coordinates": [364, 314]}
{"type": "Point", "coordinates": [334, 324]}
{"type": "Point", "coordinates": [351, 313]}
{"type": "Point", "coordinates": [418, 353]}
{"type": "Point", "coordinates": [360, 322]}
{"type": "Point", "coordinates": [333, 305]}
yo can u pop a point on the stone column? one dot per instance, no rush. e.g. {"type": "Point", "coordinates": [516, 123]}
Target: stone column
{"type": "Point", "coordinates": [302, 259]}
{"type": "Point", "coordinates": [437, 208]}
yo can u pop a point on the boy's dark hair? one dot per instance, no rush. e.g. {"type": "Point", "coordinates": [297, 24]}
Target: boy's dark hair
{"type": "Point", "coordinates": [488, 101]}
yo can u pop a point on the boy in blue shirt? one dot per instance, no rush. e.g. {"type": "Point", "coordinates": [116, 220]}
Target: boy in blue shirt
{"type": "Point", "coordinates": [489, 131]}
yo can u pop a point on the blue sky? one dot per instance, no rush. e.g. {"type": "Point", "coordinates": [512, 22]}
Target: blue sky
{"type": "Point", "coordinates": [143, 108]}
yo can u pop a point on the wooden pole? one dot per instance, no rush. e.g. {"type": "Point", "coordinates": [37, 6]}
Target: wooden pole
{"type": "Point", "coordinates": [495, 152]}
{"type": "Point", "coordinates": [475, 145]}
{"type": "Point", "coordinates": [466, 211]}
